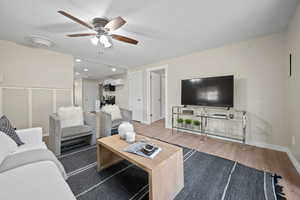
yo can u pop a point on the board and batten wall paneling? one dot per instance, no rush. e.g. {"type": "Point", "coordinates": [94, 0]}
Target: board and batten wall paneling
{"type": "Point", "coordinates": [42, 107]}
{"type": "Point", "coordinates": [31, 107]}
{"type": "Point", "coordinates": [15, 106]}
{"type": "Point", "coordinates": [63, 98]}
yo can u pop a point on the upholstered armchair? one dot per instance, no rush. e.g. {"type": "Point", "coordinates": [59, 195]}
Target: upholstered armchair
{"type": "Point", "coordinates": [60, 136]}
{"type": "Point", "coordinates": [109, 126]}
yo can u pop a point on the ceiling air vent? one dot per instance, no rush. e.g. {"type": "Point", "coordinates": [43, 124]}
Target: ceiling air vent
{"type": "Point", "coordinates": [40, 41]}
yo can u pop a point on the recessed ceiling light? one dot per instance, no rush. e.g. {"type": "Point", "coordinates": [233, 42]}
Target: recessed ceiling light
{"type": "Point", "coordinates": [78, 60]}
{"type": "Point", "coordinates": [77, 73]}
{"type": "Point", "coordinates": [113, 69]}
{"type": "Point", "coordinates": [86, 69]}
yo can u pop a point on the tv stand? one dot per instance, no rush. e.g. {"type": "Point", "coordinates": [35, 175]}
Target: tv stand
{"type": "Point", "coordinates": [230, 124]}
{"type": "Point", "coordinates": [220, 115]}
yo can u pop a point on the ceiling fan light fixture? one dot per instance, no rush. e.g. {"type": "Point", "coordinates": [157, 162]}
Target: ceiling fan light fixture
{"type": "Point", "coordinates": [102, 27]}
{"type": "Point", "coordinates": [94, 41]}
{"type": "Point", "coordinates": [107, 45]}
{"type": "Point", "coordinates": [113, 69]}
{"type": "Point", "coordinates": [104, 40]}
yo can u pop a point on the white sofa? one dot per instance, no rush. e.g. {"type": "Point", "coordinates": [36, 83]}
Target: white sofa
{"type": "Point", "coordinates": [33, 139]}
{"type": "Point", "coordinates": [34, 181]}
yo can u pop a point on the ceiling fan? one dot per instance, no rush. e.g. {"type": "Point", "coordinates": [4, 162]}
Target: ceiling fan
{"type": "Point", "coordinates": [103, 30]}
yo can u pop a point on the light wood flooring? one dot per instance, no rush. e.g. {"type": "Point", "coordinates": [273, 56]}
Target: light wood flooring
{"type": "Point", "coordinates": [259, 158]}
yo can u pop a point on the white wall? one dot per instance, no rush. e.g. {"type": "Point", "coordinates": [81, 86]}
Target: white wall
{"type": "Point", "coordinates": [258, 68]}
{"type": "Point", "coordinates": [36, 82]}
{"type": "Point", "coordinates": [293, 85]}
{"type": "Point", "coordinates": [34, 67]}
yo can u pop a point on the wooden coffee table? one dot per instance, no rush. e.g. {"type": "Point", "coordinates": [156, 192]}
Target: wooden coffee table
{"type": "Point", "coordinates": [165, 170]}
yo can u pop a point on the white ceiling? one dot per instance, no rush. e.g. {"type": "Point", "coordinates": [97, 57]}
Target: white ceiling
{"type": "Point", "coordinates": [165, 28]}
{"type": "Point", "coordinates": [96, 70]}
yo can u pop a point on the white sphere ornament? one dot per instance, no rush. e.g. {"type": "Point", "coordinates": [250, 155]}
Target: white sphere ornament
{"type": "Point", "coordinates": [124, 128]}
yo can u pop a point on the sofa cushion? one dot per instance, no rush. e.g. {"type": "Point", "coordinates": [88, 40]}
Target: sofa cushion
{"type": "Point", "coordinates": [70, 116]}
{"type": "Point", "coordinates": [8, 129]}
{"type": "Point", "coordinates": [30, 147]}
{"type": "Point", "coordinates": [113, 110]}
{"type": "Point", "coordinates": [7, 146]}
{"type": "Point", "coordinates": [75, 130]}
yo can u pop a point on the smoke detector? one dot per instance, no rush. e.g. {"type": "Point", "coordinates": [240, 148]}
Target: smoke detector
{"type": "Point", "coordinates": [40, 41]}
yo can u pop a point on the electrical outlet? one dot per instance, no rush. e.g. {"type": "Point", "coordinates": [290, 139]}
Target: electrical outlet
{"type": "Point", "coordinates": [293, 140]}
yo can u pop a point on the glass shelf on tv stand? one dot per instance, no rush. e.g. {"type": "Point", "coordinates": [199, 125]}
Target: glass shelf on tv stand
{"type": "Point", "coordinates": [211, 116]}
{"type": "Point", "coordinates": [204, 117]}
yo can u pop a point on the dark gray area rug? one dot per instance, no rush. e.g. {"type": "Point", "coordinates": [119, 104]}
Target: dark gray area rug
{"type": "Point", "coordinates": [206, 177]}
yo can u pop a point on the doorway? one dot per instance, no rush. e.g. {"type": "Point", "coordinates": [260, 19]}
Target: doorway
{"type": "Point", "coordinates": [136, 95]}
{"type": "Point", "coordinates": [90, 94]}
{"type": "Point", "coordinates": [156, 93]}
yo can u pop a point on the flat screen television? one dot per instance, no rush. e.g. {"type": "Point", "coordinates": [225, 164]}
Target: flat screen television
{"type": "Point", "coordinates": [211, 91]}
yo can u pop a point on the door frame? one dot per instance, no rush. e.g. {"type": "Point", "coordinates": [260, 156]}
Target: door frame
{"type": "Point", "coordinates": [148, 109]}
{"type": "Point", "coordinates": [129, 74]}
{"type": "Point", "coordinates": [152, 111]}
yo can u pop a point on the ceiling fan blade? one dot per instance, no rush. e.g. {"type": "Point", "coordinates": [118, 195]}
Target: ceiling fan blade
{"type": "Point", "coordinates": [75, 19]}
{"type": "Point", "coordinates": [81, 34]}
{"type": "Point", "coordinates": [124, 39]}
{"type": "Point", "coordinates": [115, 23]}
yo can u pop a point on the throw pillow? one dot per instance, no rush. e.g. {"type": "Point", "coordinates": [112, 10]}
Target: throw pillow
{"type": "Point", "coordinates": [8, 129]}
{"type": "Point", "coordinates": [113, 110]}
{"type": "Point", "coordinates": [7, 146]}
{"type": "Point", "coordinates": [70, 116]}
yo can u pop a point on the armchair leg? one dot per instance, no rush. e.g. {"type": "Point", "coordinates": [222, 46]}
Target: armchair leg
{"type": "Point", "coordinates": [58, 150]}
{"type": "Point", "coordinates": [93, 139]}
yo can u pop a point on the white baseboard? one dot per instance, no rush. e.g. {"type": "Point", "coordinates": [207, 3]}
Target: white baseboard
{"type": "Point", "coordinates": [268, 146]}
{"type": "Point", "coordinates": [294, 160]}
{"type": "Point", "coordinates": [45, 134]}
{"type": "Point", "coordinates": [145, 122]}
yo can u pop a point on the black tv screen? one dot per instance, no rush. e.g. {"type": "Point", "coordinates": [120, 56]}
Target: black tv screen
{"type": "Point", "coordinates": [212, 91]}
